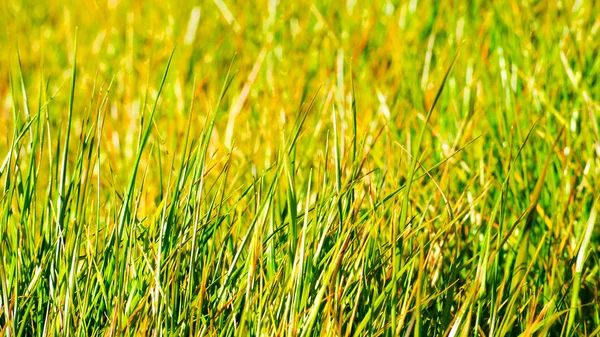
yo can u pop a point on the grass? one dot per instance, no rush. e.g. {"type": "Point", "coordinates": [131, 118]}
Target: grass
{"type": "Point", "coordinates": [299, 169]}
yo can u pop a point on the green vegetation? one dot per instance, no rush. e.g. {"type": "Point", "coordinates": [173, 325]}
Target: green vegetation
{"type": "Point", "coordinates": [266, 168]}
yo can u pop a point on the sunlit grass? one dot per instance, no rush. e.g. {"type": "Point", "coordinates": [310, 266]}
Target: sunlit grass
{"type": "Point", "coordinates": [299, 169]}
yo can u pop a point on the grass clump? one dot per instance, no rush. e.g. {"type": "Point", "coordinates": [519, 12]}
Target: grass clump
{"type": "Point", "coordinates": [302, 169]}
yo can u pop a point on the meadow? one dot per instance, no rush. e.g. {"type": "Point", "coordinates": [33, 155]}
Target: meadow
{"type": "Point", "coordinates": [305, 168]}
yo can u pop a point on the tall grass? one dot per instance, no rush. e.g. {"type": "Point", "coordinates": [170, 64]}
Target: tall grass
{"type": "Point", "coordinates": [299, 169]}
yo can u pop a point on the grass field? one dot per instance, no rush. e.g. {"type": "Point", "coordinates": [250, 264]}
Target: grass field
{"type": "Point", "coordinates": [304, 168]}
